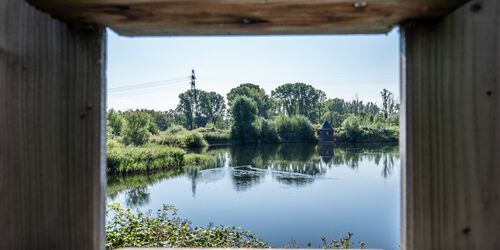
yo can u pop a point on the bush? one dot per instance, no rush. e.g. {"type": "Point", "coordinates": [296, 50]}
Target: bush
{"type": "Point", "coordinates": [295, 129]}
{"type": "Point", "coordinates": [137, 130]}
{"type": "Point", "coordinates": [126, 229]}
{"type": "Point", "coordinates": [215, 136]}
{"type": "Point", "coordinates": [113, 143]}
{"type": "Point", "coordinates": [355, 129]}
{"type": "Point", "coordinates": [268, 132]}
{"type": "Point", "coordinates": [193, 139]}
{"type": "Point", "coordinates": [180, 138]}
{"type": "Point", "coordinates": [176, 129]}
{"type": "Point", "coordinates": [115, 121]}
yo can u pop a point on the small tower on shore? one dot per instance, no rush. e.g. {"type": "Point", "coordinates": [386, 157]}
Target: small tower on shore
{"type": "Point", "coordinates": [325, 133]}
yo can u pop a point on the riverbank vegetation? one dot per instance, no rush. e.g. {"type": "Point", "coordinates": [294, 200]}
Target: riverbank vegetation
{"type": "Point", "coordinates": [292, 113]}
{"type": "Point", "coordinates": [128, 229]}
{"type": "Point", "coordinates": [165, 229]}
{"type": "Point", "coordinates": [149, 157]}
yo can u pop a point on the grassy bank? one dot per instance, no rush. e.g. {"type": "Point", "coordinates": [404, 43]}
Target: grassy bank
{"type": "Point", "coordinates": [130, 159]}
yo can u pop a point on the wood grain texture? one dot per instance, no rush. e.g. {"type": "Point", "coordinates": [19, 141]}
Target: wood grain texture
{"type": "Point", "coordinates": [451, 130]}
{"type": "Point", "coordinates": [51, 107]}
{"type": "Point", "coordinates": [245, 17]}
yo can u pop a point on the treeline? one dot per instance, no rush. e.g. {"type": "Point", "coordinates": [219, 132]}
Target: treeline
{"type": "Point", "coordinates": [291, 113]}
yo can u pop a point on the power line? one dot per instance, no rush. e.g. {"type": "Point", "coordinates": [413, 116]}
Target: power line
{"type": "Point", "coordinates": [145, 91]}
{"type": "Point", "coordinates": [376, 80]}
{"type": "Point", "coordinates": [148, 84]}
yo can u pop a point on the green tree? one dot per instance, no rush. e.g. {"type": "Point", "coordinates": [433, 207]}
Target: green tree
{"type": "Point", "coordinates": [162, 120]}
{"type": "Point", "coordinates": [254, 92]}
{"type": "Point", "coordinates": [115, 121]}
{"type": "Point", "coordinates": [186, 108]}
{"type": "Point", "coordinates": [199, 108]}
{"type": "Point", "coordinates": [211, 109]}
{"type": "Point", "coordinates": [244, 114]}
{"type": "Point", "coordinates": [137, 131]}
{"type": "Point", "coordinates": [337, 105]}
{"type": "Point", "coordinates": [388, 103]}
{"type": "Point", "coordinates": [371, 109]}
{"type": "Point", "coordinates": [299, 99]}
{"type": "Point", "coordinates": [352, 128]}
{"type": "Point", "coordinates": [334, 118]}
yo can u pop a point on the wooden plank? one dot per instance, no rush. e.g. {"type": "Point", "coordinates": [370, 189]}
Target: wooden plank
{"type": "Point", "coordinates": [451, 130]}
{"type": "Point", "coordinates": [51, 108]}
{"type": "Point", "coordinates": [249, 17]}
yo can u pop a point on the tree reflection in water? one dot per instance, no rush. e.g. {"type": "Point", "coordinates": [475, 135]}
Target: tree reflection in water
{"type": "Point", "coordinates": [137, 197]}
{"type": "Point", "coordinates": [247, 166]}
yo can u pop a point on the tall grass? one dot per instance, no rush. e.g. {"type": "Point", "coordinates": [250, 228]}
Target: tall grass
{"type": "Point", "coordinates": [124, 160]}
{"type": "Point", "coordinates": [192, 159]}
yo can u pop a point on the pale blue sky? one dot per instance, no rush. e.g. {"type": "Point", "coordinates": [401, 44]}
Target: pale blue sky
{"type": "Point", "coordinates": [342, 66]}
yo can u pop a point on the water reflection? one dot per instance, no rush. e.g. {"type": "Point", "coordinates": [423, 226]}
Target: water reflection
{"type": "Point", "coordinates": [137, 197]}
{"type": "Point", "coordinates": [289, 164]}
{"type": "Point", "coordinates": [136, 186]}
{"type": "Point", "coordinates": [304, 191]}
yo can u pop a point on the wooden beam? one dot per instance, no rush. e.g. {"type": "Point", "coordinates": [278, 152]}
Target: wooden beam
{"type": "Point", "coordinates": [248, 17]}
{"type": "Point", "coordinates": [451, 130]}
{"type": "Point", "coordinates": [51, 132]}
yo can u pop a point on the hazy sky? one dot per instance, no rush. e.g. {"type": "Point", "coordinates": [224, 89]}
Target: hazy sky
{"type": "Point", "coordinates": [342, 66]}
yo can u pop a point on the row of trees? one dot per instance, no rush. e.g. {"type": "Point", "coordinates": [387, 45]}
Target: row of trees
{"type": "Point", "coordinates": [253, 115]}
{"type": "Point", "coordinates": [198, 108]}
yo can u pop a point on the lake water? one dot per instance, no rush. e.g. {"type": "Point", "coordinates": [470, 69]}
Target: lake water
{"type": "Point", "coordinates": [282, 192]}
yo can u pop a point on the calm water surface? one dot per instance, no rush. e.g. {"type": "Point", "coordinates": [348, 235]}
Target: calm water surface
{"type": "Point", "coordinates": [279, 192]}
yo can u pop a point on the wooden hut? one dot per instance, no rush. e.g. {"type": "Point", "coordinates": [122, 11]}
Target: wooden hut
{"type": "Point", "coordinates": [325, 133]}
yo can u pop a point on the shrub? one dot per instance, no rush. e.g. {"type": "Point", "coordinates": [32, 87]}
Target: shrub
{"type": "Point", "coordinates": [353, 131]}
{"type": "Point", "coordinates": [176, 129]}
{"type": "Point", "coordinates": [268, 132]}
{"type": "Point", "coordinates": [115, 121]}
{"type": "Point", "coordinates": [113, 143]}
{"type": "Point", "coordinates": [192, 139]}
{"type": "Point", "coordinates": [180, 138]}
{"type": "Point", "coordinates": [137, 130]}
{"type": "Point", "coordinates": [126, 229]}
{"type": "Point", "coordinates": [215, 136]}
{"type": "Point", "coordinates": [295, 129]}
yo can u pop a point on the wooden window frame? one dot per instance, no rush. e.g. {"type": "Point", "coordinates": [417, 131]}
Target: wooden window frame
{"type": "Point", "coordinates": [52, 120]}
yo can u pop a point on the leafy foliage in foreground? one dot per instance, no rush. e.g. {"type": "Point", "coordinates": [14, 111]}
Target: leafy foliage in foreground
{"type": "Point", "coordinates": [128, 229]}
